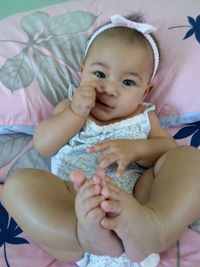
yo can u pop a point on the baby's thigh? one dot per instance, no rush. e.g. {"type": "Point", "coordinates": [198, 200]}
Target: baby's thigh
{"type": "Point", "coordinates": [42, 205]}
{"type": "Point", "coordinates": [36, 184]}
{"type": "Point", "coordinates": [143, 186]}
{"type": "Point", "coordinates": [37, 193]}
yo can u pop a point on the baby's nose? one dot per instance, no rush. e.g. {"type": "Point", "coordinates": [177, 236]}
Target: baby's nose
{"type": "Point", "coordinates": [110, 88]}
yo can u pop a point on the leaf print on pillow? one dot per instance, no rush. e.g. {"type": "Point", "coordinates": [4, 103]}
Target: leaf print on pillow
{"type": "Point", "coordinates": [17, 72]}
{"type": "Point", "coordinates": [195, 28]}
{"type": "Point", "coordinates": [9, 231]}
{"type": "Point", "coordinates": [53, 78]}
{"type": "Point", "coordinates": [193, 130]}
{"type": "Point", "coordinates": [33, 23]}
{"type": "Point", "coordinates": [54, 40]}
{"type": "Point", "coordinates": [11, 145]}
{"type": "Point", "coordinates": [70, 48]}
{"type": "Point", "coordinates": [69, 23]}
{"type": "Point", "coordinates": [31, 159]}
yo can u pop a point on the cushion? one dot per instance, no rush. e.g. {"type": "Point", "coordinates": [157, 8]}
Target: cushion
{"type": "Point", "coordinates": [41, 51]}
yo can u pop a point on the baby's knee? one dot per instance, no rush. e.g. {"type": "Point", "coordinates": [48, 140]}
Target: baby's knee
{"type": "Point", "coordinates": [18, 178]}
{"type": "Point", "coordinates": [16, 184]}
{"type": "Point", "coordinates": [184, 156]}
{"type": "Point", "coordinates": [183, 152]}
{"type": "Point", "coordinates": [12, 181]}
{"type": "Point", "coordinates": [11, 186]}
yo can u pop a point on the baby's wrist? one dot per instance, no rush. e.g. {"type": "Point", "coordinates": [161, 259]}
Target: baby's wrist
{"type": "Point", "coordinates": [78, 112]}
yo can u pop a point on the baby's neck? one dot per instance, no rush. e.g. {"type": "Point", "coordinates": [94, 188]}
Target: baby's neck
{"type": "Point", "coordinates": [138, 111]}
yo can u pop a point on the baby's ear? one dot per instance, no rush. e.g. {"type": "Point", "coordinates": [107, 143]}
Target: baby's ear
{"type": "Point", "coordinates": [149, 89]}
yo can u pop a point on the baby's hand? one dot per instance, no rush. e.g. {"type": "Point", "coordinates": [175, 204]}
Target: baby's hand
{"type": "Point", "coordinates": [120, 151]}
{"type": "Point", "coordinates": [84, 98]}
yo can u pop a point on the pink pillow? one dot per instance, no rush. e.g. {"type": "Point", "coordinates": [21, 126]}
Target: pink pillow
{"type": "Point", "coordinates": [40, 54]}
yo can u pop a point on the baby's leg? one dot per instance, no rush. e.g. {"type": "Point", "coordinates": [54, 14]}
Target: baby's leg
{"type": "Point", "coordinates": [173, 205]}
{"type": "Point", "coordinates": [130, 220]}
{"type": "Point", "coordinates": [143, 186]}
{"type": "Point", "coordinates": [43, 206]}
{"type": "Point", "coordinates": [92, 236]}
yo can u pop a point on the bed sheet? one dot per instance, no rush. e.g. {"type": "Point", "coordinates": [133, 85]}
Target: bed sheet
{"type": "Point", "coordinates": [18, 250]}
{"type": "Point", "coordinates": [17, 152]}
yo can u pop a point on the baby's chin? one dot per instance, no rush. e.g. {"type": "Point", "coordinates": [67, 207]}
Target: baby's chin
{"type": "Point", "coordinates": [104, 119]}
{"type": "Point", "coordinates": [101, 119]}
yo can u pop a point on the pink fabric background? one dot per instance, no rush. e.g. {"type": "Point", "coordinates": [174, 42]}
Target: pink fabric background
{"type": "Point", "coordinates": [178, 79]}
{"type": "Point", "coordinates": [185, 254]}
{"type": "Point", "coordinates": [178, 83]}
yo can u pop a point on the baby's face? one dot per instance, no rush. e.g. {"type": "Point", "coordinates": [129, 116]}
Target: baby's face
{"type": "Point", "coordinates": [123, 71]}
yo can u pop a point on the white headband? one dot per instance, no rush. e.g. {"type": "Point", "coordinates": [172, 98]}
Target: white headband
{"type": "Point", "coordinates": [145, 29]}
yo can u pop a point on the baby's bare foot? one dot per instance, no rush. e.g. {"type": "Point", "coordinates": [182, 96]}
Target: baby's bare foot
{"type": "Point", "coordinates": [78, 178]}
{"type": "Point", "coordinates": [92, 236]}
{"type": "Point", "coordinates": [135, 224]}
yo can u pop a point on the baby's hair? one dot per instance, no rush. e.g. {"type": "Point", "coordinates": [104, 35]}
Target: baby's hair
{"type": "Point", "coordinates": [128, 35]}
{"type": "Point", "coordinates": [139, 17]}
{"type": "Point", "coordinates": [116, 32]}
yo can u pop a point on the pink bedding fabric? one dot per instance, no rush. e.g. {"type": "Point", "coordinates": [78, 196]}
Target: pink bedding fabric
{"type": "Point", "coordinates": [17, 250]}
{"type": "Point", "coordinates": [185, 253]}
{"type": "Point", "coordinates": [23, 255]}
{"type": "Point", "coordinates": [27, 94]}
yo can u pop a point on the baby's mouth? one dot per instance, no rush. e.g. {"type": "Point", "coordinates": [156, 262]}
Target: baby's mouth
{"type": "Point", "coordinates": [103, 104]}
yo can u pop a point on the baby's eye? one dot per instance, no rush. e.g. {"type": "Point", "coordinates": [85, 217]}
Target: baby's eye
{"type": "Point", "coordinates": [100, 74]}
{"type": "Point", "coordinates": [129, 82]}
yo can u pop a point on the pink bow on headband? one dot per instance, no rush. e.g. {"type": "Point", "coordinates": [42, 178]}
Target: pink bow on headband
{"type": "Point", "coordinates": [144, 28]}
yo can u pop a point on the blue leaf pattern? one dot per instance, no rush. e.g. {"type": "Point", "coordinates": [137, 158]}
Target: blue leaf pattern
{"type": "Point", "coordinates": [193, 130]}
{"type": "Point", "coordinates": [194, 28]}
{"type": "Point", "coordinates": [191, 21]}
{"type": "Point", "coordinates": [4, 219]}
{"type": "Point", "coordinates": [185, 132]}
{"type": "Point", "coordinates": [189, 33]}
{"type": "Point", "coordinates": [195, 140]}
{"type": "Point", "coordinates": [9, 231]}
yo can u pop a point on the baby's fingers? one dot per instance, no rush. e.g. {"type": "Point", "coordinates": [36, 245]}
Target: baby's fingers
{"type": "Point", "coordinates": [121, 168]}
{"type": "Point", "coordinates": [98, 147]}
{"type": "Point", "coordinates": [106, 161]}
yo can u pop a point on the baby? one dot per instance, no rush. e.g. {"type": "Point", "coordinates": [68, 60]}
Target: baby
{"type": "Point", "coordinates": [105, 124]}
{"type": "Point", "coordinates": [108, 110]}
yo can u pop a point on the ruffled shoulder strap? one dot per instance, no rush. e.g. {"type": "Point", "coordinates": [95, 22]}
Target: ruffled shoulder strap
{"type": "Point", "coordinates": [70, 91]}
{"type": "Point", "coordinates": [149, 107]}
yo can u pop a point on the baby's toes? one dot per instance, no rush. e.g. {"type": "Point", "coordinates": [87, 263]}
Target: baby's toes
{"type": "Point", "coordinates": [112, 207]}
{"type": "Point", "coordinates": [89, 189]}
{"type": "Point", "coordinates": [91, 203]}
{"type": "Point", "coordinates": [78, 178]}
{"type": "Point", "coordinates": [95, 215]}
{"type": "Point", "coordinates": [111, 192]}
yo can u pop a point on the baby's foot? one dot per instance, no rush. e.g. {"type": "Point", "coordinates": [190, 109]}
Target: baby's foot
{"type": "Point", "coordinates": [135, 224]}
{"type": "Point", "coordinates": [92, 236]}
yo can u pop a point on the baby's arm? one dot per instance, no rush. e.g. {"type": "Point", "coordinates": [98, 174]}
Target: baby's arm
{"type": "Point", "coordinates": [145, 151]}
{"type": "Point", "coordinates": [55, 131]}
{"type": "Point", "coordinates": [158, 143]}
{"type": "Point", "coordinates": [67, 119]}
